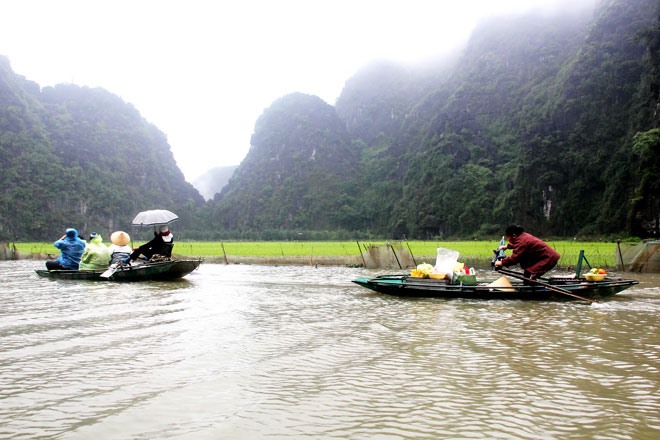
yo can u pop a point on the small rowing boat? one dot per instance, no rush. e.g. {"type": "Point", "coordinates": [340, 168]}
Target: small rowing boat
{"type": "Point", "coordinates": [555, 289]}
{"type": "Point", "coordinates": [161, 270]}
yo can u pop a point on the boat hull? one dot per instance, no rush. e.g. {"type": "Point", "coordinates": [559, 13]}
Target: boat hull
{"type": "Point", "coordinates": [404, 285]}
{"type": "Point", "coordinates": [156, 271]}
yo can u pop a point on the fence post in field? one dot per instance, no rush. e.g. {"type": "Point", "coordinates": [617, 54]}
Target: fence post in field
{"type": "Point", "coordinates": [223, 252]}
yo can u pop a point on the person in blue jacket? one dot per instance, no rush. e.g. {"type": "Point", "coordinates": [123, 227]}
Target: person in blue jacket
{"type": "Point", "coordinates": [71, 249]}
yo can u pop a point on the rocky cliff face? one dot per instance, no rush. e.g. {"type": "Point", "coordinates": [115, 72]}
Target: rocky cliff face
{"type": "Point", "coordinates": [81, 157]}
{"type": "Point", "coordinates": [298, 173]}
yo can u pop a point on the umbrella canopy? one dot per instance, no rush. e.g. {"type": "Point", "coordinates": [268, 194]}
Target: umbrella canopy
{"type": "Point", "coordinates": [154, 217]}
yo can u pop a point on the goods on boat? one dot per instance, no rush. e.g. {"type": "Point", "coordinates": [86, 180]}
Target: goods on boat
{"type": "Point", "coordinates": [462, 282]}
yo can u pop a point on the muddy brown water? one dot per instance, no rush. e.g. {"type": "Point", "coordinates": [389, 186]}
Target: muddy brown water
{"type": "Point", "coordinates": [290, 352]}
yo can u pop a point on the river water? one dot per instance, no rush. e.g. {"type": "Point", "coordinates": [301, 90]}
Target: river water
{"type": "Point", "coordinates": [262, 352]}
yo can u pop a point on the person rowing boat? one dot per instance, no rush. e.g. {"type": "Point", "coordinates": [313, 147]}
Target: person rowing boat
{"type": "Point", "coordinates": [534, 255]}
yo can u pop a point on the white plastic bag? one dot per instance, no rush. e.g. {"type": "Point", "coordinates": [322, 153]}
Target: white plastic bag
{"type": "Point", "coordinates": [445, 262]}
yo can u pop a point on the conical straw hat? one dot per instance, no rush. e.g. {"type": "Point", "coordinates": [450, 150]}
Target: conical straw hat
{"type": "Point", "coordinates": [120, 238]}
{"type": "Point", "coordinates": [502, 282]}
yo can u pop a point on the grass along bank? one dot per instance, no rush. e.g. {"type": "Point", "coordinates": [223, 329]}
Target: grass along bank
{"type": "Point", "coordinates": [473, 253]}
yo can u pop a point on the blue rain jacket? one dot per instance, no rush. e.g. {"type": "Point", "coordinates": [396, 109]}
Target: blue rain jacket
{"type": "Point", "coordinates": [71, 249]}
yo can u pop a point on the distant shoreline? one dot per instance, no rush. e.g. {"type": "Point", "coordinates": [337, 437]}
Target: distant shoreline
{"type": "Point", "coordinates": [348, 261]}
{"type": "Point", "coordinates": [381, 254]}
{"type": "Point", "coordinates": [307, 260]}
{"type": "Point", "coordinates": [313, 261]}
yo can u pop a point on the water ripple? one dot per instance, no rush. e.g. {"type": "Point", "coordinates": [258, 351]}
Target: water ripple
{"type": "Point", "coordinates": [291, 352]}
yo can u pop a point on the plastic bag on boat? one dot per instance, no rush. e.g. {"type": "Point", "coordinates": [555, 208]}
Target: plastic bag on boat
{"type": "Point", "coordinates": [445, 262]}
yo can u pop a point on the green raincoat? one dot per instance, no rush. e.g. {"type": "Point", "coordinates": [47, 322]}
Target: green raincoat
{"type": "Point", "coordinates": [96, 255]}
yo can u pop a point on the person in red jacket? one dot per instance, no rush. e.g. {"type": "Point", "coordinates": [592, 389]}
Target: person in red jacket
{"type": "Point", "coordinates": [534, 255]}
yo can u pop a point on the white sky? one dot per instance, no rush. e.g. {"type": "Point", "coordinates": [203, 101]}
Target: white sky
{"type": "Point", "coordinates": [203, 71]}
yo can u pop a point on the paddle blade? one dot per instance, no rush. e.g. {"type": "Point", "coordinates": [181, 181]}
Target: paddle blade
{"type": "Point", "coordinates": [109, 272]}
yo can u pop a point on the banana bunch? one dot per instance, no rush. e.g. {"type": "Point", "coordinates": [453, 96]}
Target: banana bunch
{"type": "Point", "coordinates": [416, 273]}
{"type": "Point", "coordinates": [598, 271]}
{"type": "Point", "coordinates": [422, 271]}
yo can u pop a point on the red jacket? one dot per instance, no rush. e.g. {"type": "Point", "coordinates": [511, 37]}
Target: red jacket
{"type": "Point", "coordinates": [533, 254]}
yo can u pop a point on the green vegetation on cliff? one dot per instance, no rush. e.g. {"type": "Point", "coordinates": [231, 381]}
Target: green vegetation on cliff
{"type": "Point", "coordinates": [550, 121]}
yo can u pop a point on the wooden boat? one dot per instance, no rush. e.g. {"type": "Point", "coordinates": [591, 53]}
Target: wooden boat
{"type": "Point", "coordinates": [555, 289]}
{"type": "Point", "coordinates": [166, 269]}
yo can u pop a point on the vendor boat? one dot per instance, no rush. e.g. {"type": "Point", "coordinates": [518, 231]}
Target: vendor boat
{"type": "Point", "coordinates": [555, 289]}
{"type": "Point", "coordinates": [588, 287]}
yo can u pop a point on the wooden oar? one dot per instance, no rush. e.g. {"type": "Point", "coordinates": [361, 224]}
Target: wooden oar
{"type": "Point", "coordinates": [541, 283]}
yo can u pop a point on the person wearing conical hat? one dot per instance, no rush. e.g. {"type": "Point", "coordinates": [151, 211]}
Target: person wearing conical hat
{"type": "Point", "coordinates": [161, 244]}
{"type": "Point", "coordinates": [120, 251]}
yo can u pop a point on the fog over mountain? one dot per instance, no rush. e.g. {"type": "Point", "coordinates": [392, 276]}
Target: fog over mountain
{"type": "Point", "coordinates": [548, 120]}
{"type": "Point", "coordinates": [212, 182]}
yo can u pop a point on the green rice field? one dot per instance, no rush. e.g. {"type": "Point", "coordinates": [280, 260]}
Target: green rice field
{"type": "Point", "coordinates": [477, 253]}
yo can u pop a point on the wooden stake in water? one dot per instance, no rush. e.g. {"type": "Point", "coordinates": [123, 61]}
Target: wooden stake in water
{"type": "Point", "coordinates": [224, 253]}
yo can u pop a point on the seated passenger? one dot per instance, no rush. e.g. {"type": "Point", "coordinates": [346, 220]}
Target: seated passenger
{"type": "Point", "coordinates": [120, 251]}
{"type": "Point", "coordinates": [71, 249]}
{"type": "Point", "coordinates": [161, 244]}
{"type": "Point", "coordinates": [96, 254]}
